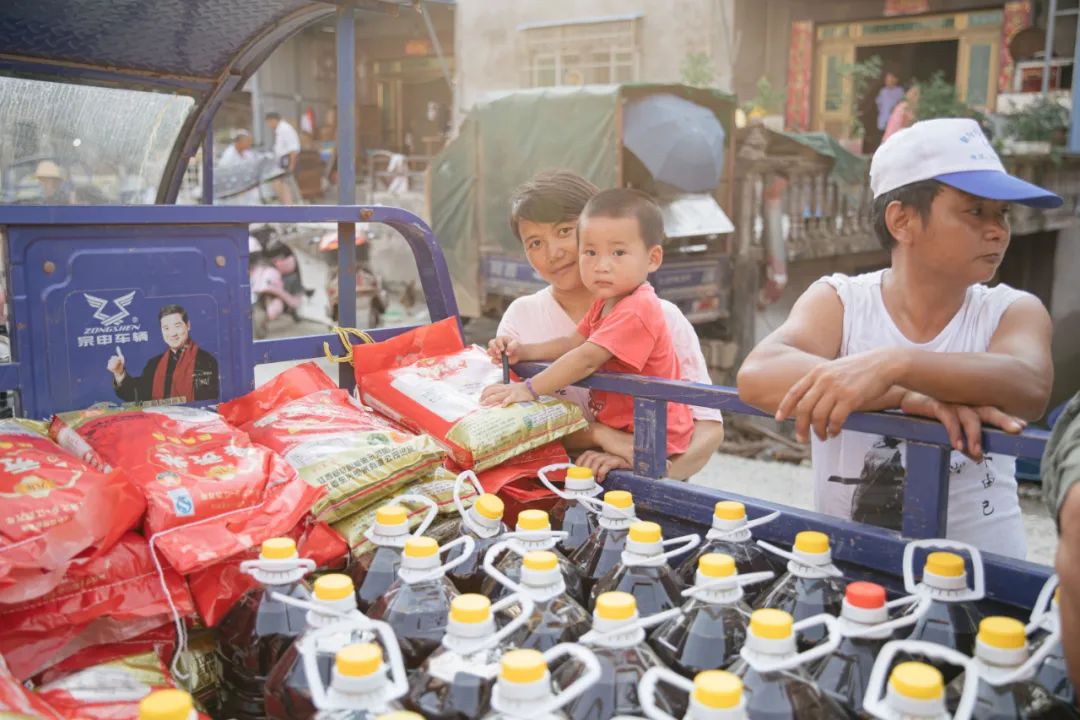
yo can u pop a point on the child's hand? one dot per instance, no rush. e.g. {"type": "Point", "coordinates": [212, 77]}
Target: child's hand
{"type": "Point", "coordinates": [509, 345]}
{"type": "Point", "coordinates": [503, 395]}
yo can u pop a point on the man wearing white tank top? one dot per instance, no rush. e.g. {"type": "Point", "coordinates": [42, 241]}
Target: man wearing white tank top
{"type": "Point", "coordinates": [924, 335]}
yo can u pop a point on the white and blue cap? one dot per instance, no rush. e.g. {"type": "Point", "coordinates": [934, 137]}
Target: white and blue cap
{"type": "Point", "coordinates": [955, 152]}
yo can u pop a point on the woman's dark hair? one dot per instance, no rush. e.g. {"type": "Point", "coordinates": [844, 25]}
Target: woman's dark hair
{"type": "Point", "coordinates": [553, 196]}
{"type": "Point", "coordinates": [919, 195]}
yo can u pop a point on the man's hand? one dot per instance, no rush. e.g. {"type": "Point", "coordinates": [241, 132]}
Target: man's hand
{"type": "Point", "coordinates": [503, 395]}
{"type": "Point", "coordinates": [601, 463]}
{"type": "Point", "coordinates": [962, 423]}
{"type": "Point", "coordinates": [831, 391]}
{"type": "Point", "coordinates": [116, 365]}
{"type": "Point", "coordinates": [507, 345]}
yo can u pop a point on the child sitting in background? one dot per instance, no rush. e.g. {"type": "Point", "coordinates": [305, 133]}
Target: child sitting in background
{"type": "Point", "coordinates": [620, 236]}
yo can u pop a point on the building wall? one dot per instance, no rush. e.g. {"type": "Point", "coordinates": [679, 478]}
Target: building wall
{"type": "Point", "coordinates": [490, 53]}
{"type": "Point", "coordinates": [1065, 313]}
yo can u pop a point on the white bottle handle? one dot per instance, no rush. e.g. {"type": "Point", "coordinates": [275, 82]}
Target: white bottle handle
{"type": "Point", "coordinates": [829, 570]}
{"type": "Point", "coordinates": [687, 542]}
{"type": "Point", "coordinates": [531, 536]}
{"type": "Point", "coordinates": [874, 700]}
{"type": "Point", "coordinates": [1042, 613]}
{"type": "Point", "coordinates": [300, 567]}
{"type": "Point", "coordinates": [429, 514]}
{"type": "Point", "coordinates": [542, 476]}
{"type": "Point", "coordinates": [527, 608]}
{"type": "Point", "coordinates": [588, 678]}
{"type": "Point", "coordinates": [719, 583]}
{"type": "Point", "coordinates": [642, 623]}
{"type": "Point", "coordinates": [715, 534]}
{"type": "Point", "coordinates": [440, 571]}
{"type": "Point", "coordinates": [647, 690]}
{"type": "Point", "coordinates": [761, 664]}
{"type": "Point", "coordinates": [978, 592]}
{"type": "Point", "coordinates": [1029, 666]}
{"type": "Point", "coordinates": [921, 602]}
{"type": "Point", "coordinates": [471, 524]}
{"type": "Point", "coordinates": [399, 682]}
{"type": "Point", "coordinates": [489, 567]}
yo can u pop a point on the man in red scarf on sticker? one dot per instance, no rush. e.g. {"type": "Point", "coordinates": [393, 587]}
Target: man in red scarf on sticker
{"type": "Point", "coordinates": [183, 371]}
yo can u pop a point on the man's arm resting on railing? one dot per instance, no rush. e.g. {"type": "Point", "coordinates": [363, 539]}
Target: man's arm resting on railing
{"type": "Point", "coordinates": [1067, 565]}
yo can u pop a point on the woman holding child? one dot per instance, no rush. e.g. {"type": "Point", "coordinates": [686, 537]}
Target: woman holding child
{"type": "Point", "coordinates": [601, 295]}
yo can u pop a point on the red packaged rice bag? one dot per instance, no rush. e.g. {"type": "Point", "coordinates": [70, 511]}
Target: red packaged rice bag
{"type": "Point", "coordinates": [18, 703]}
{"type": "Point", "coordinates": [210, 492]}
{"type": "Point", "coordinates": [53, 507]}
{"type": "Point", "coordinates": [429, 382]}
{"type": "Point", "coordinates": [292, 384]}
{"type": "Point", "coordinates": [335, 443]}
{"type": "Point", "coordinates": [217, 588]}
{"type": "Point", "coordinates": [107, 599]}
{"type": "Point", "coordinates": [161, 641]}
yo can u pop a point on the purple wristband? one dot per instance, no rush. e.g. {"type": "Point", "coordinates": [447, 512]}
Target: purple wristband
{"type": "Point", "coordinates": [528, 384]}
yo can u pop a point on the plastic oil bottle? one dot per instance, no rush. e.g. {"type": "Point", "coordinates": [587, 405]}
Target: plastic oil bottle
{"type": "Point", "coordinates": [618, 641]}
{"type": "Point", "coordinates": [811, 586]}
{"type": "Point", "coordinates": [417, 605]}
{"type": "Point", "coordinates": [603, 550]}
{"type": "Point", "coordinates": [577, 509]}
{"type": "Point", "coordinates": [556, 617]}
{"type": "Point", "coordinates": [360, 688]}
{"type": "Point", "coordinates": [712, 695]}
{"type": "Point", "coordinates": [450, 684]}
{"type": "Point", "coordinates": [374, 572]}
{"type": "Point", "coordinates": [711, 629]}
{"type": "Point", "coordinates": [1006, 670]}
{"type": "Point", "coordinates": [864, 626]}
{"type": "Point", "coordinates": [287, 694]}
{"type": "Point", "coordinates": [643, 569]}
{"type": "Point", "coordinates": [532, 532]}
{"type": "Point", "coordinates": [1045, 627]}
{"type": "Point", "coordinates": [730, 535]}
{"type": "Point", "coordinates": [259, 629]}
{"type": "Point", "coordinates": [524, 688]}
{"type": "Point", "coordinates": [483, 522]}
{"type": "Point", "coordinates": [167, 705]}
{"type": "Point", "coordinates": [916, 690]}
{"type": "Point", "coordinates": [774, 673]}
{"type": "Point", "coordinates": [949, 617]}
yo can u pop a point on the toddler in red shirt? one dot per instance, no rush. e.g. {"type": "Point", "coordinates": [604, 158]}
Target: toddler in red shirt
{"type": "Point", "coordinates": [620, 236]}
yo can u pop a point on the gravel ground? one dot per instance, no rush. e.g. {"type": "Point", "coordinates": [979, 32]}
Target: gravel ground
{"type": "Point", "coordinates": [793, 485]}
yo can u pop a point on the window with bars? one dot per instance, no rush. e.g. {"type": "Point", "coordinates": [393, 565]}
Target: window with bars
{"type": "Point", "coordinates": [602, 51]}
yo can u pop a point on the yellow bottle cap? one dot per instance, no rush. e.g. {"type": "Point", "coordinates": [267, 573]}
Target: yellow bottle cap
{"type": "Point", "coordinates": [523, 666]}
{"type": "Point", "coordinates": [645, 532]}
{"type": "Point", "coordinates": [718, 689]}
{"type": "Point", "coordinates": [619, 499]}
{"type": "Point", "coordinates": [421, 547]}
{"type": "Point", "coordinates": [533, 520]}
{"type": "Point", "coordinates": [540, 560]}
{"type": "Point", "coordinates": [716, 565]}
{"type": "Point", "coordinates": [917, 681]}
{"type": "Point", "coordinates": [812, 542]}
{"type": "Point", "coordinates": [334, 586]}
{"type": "Point", "coordinates": [400, 715]}
{"type": "Point", "coordinates": [771, 624]}
{"type": "Point", "coordinates": [1004, 633]}
{"type": "Point", "coordinates": [490, 506]}
{"type": "Point", "coordinates": [391, 515]}
{"type": "Point", "coordinates": [166, 705]}
{"type": "Point", "coordinates": [278, 549]}
{"type": "Point", "coordinates": [944, 564]}
{"type": "Point", "coordinates": [470, 609]}
{"type": "Point", "coordinates": [729, 510]}
{"type": "Point", "coordinates": [579, 473]}
{"type": "Point", "coordinates": [616, 606]}
{"type": "Point", "coordinates": [1057, 596]}
{"type": "Point", "coordinates": [359, 660]}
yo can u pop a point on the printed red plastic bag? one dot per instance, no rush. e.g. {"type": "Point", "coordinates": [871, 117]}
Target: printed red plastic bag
{"type": "Point", "coordinates": [160, 641]}
{"type": "Point", "coordinates": [428, 382]}
{"type": "Point", "coordinates": [294, 383]}
{"type": "Point", "coordinates": [336, 443]}
{"type": "Point", "coordinates": [107, 599]}
{"type": "Point", "coordinates": [18, 703]}
{"type": "Point", "coordinates": [53, 507]}
{"type": "Point", "coordinates": [210, 492]}
{"type": "Point", "coordinates": [217, 588]}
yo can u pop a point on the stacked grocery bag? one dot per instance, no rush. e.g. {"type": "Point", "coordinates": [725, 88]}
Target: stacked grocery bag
{"type": "Point", "coordinates": [401, 552]}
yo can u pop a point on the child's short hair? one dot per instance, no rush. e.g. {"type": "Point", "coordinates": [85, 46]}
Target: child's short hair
{"type": "Point", "coordinates": [626, 203]}
{"type": "Point", "coordinates": [919, 195]}
{"type": "Point", "coordinates": [553, 196]}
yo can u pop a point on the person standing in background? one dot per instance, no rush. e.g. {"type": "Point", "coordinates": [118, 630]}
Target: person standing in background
{"type": "Point", "coordinates": [286, 152]}
{"type": "Point", "coordinates": [888, 97]}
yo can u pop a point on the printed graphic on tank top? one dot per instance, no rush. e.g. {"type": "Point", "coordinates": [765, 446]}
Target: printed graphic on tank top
{"type": "Point", "coordinates": [861, 476]}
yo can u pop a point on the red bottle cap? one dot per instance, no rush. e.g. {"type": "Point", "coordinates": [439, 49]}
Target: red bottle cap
{"type": "Point", "coordinates": [866, 595]}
